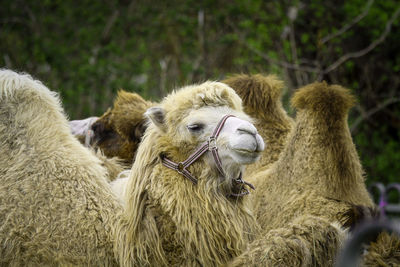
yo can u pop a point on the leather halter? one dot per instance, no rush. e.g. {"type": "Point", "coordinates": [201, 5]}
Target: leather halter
{"type": "Point", "coordinates": [209, 145]}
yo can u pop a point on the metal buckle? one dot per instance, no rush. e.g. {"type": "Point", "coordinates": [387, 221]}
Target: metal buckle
{"type": "Point", "coordinates": [239, 180]}
{"type": "Point", "coordinates": [212, 143]}
{"type": "Point", "coordinates": [180, 168]}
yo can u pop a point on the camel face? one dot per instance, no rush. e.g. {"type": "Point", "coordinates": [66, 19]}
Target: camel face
{"type": "Point", "coordinates": [238, 142]}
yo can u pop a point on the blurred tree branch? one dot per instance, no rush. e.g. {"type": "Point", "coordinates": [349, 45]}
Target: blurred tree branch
{"type": "Point", "coordinates": [365, 115]}
{"type": "Point", "coordinates": [292, 15]}
{"type": "Point", "coordinates": [281, 63]}
{"type": "Point", "coordinates": [297, 65]}
{"type": "Point", "coordinates": [367, 49]}
{"type": "Point", "coordinates": [110, 23]}
{"type": "Point", "coordinates": [12, 20]}
{"type": "Point", "coordinates": [349, 25]}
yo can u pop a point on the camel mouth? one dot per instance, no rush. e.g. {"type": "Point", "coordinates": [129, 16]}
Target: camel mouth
{"type": "Point", "coordinates": [246, 151]}
{"type": "Point", "coordinates": [247, 145]}
{"type": "Point", "coordinates": [244, 156]}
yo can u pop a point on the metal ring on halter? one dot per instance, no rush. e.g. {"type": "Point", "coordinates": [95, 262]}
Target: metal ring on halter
{"type": "Point", "coordinates": [180, 167]}
{"type": "Point", "coordinates": [212, 143]}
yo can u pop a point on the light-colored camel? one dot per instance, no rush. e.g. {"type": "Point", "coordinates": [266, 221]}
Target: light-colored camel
{"type": "Point", "coordinates": [57, 208]}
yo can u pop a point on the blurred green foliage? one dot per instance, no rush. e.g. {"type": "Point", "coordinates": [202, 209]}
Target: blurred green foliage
{"type": "Point", "coordinates": [87, 50]}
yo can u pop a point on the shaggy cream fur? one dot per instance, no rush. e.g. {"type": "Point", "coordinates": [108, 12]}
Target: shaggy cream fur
{"type": "Point", "coordinates": [201, 226]}
{"type": "Point", "coordinates": [56, 206]}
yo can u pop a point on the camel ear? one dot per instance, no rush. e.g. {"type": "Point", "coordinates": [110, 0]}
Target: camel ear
{"type": "Point", "coordinates": [80, 127]}
{"type": "Point", "coordinates": [157, 116]}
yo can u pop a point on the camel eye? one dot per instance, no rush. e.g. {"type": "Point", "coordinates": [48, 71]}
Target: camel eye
{"type": "Point", "coordinates": [196, 127]}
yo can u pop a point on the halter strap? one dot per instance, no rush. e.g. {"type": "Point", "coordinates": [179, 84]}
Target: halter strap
{"type": "Point", "coordinates": [242, 183]}
{"type": "Point", "coordinates": [88, 137]}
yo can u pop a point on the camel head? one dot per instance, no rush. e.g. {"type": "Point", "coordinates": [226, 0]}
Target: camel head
{"type": "Point", "coordinates": [186, 124]}
{"type": "Point", "coordinates": [117, 133]}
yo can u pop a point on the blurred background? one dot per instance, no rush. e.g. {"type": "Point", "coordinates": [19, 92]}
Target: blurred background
{"type": "Point", "coordinates": [88, 51]}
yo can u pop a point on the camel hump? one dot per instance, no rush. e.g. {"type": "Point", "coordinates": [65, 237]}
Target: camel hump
{"type": "Point", "coordinates": [10, 82]}
{"type": "Point", "coordinates": [324, 99]}
{"type": "Point", "coordinates": [259, 92]}
{"type": "Point", "coordinates": [128, 114]}
{"type": "Point", "coordinates": [29, 104]}
{"type": "Point", "coordinates": [24, 89]}
{"type": "Point", "coordinates": [131, 99]}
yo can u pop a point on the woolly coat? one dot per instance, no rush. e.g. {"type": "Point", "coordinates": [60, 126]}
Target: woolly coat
{"type": "Point", "coordinates": [317, 178]}
{"type": "Point", "coordinates": [56, 207]}
{"type": "Point", "coordinates": [179, 223]}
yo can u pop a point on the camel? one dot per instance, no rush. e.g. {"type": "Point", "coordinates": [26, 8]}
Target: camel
{"type": "Point", "coordinates": [56, 205]}
{"type": "Point", "coordinates": [57, 208]}
{"type": "Point", "coordinates": [261, 99]}
{"type": "Point", "coordinates": [317, 178]}
{"type": "Point", "coordinates": [117, 133]}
